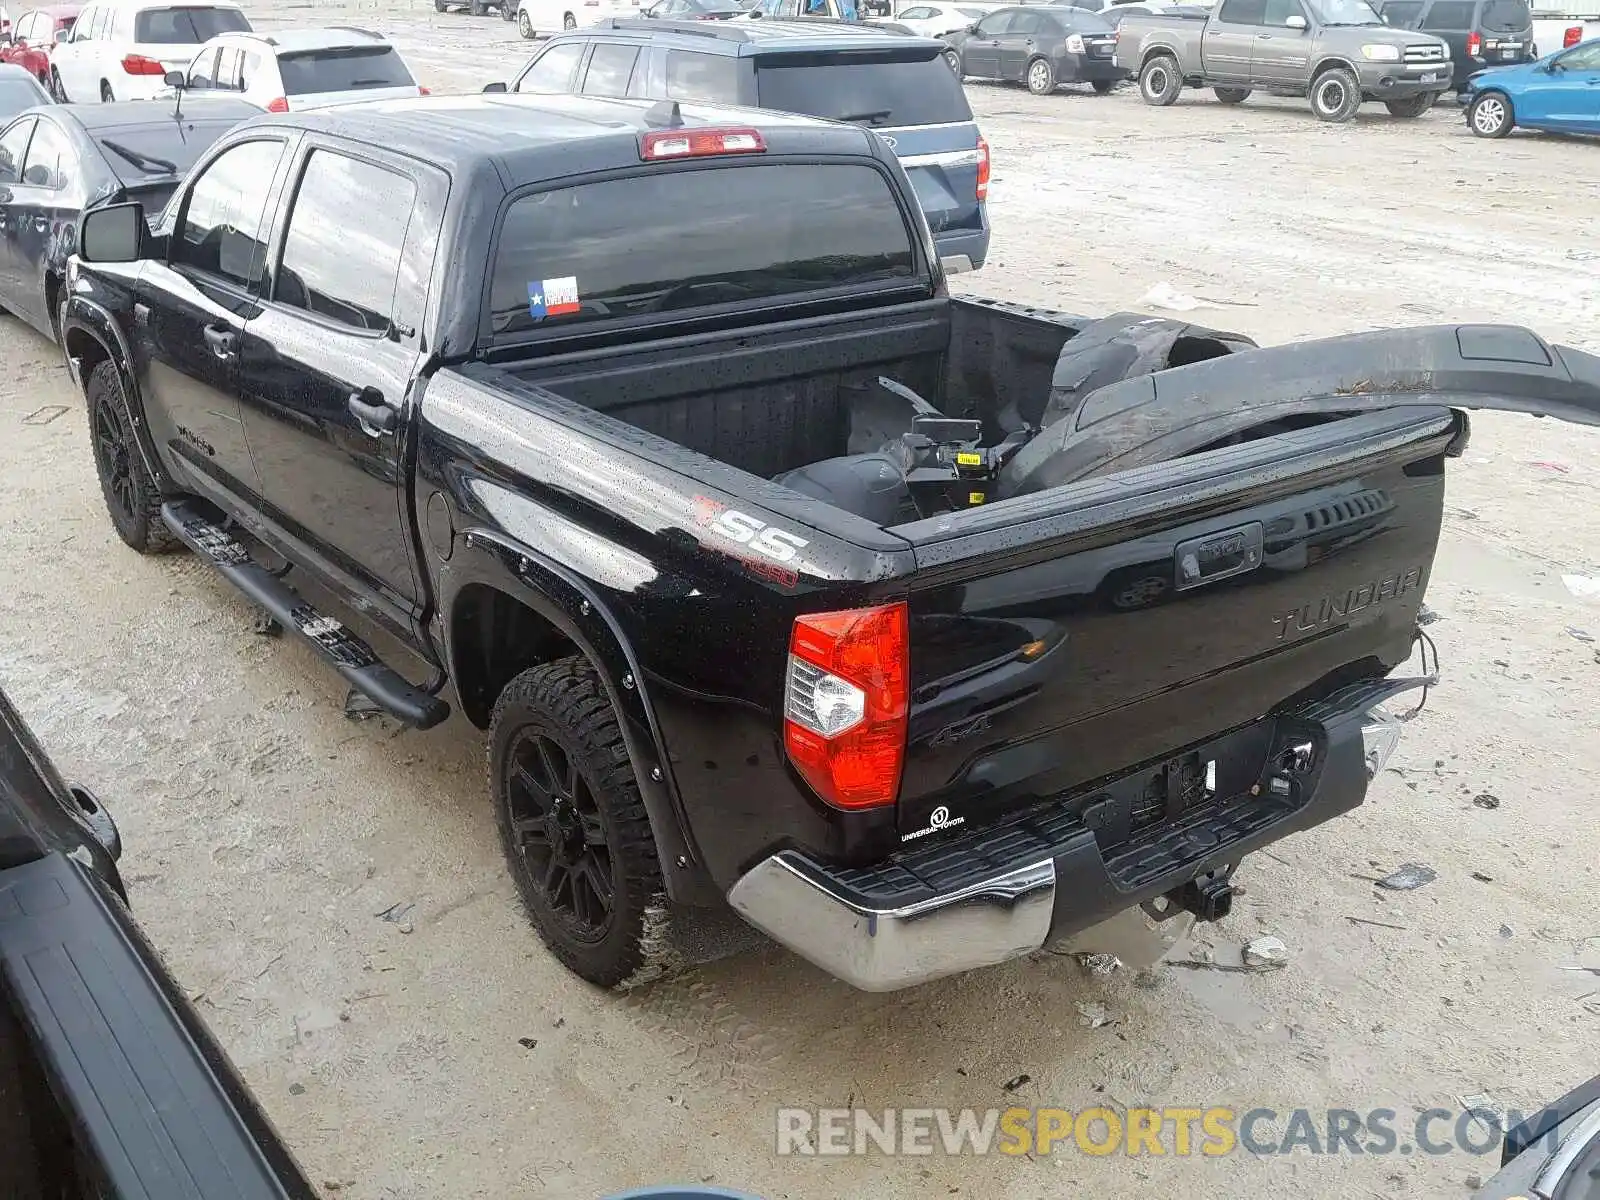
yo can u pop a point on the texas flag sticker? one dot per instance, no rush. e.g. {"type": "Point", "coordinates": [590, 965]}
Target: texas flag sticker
{"type": "Point", "coordinates": [552, 297]}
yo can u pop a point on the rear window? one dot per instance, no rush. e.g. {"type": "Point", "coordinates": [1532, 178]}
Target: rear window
{"type": "Point", "coordinates": [307, 72]}
{"type": "Point", "coordinates": [1506, 14]}
{"type": "Point", "coordinates": [18, 93]}
{"type": "Point", "coordinates": [186, 26]}
{"type": "Point", "coordinates": [876, 89]}
{"type": "Point", "coordinates": [143, 152]}
{"type": "Point", "coordinates": [716, 236]}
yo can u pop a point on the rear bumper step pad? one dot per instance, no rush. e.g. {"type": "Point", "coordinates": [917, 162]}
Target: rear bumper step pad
{"type": "Point", "coordinates": [346, 653]}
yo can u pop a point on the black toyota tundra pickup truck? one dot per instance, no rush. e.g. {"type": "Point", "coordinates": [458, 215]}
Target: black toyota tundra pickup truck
{"type": "Point", "coordinates": [917, 632]}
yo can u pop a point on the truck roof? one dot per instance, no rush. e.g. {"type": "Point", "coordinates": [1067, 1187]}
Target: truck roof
{"type": "Point", "coordinates": [745, 39]}
{"type": "Point", "coordinates": [518, 131]}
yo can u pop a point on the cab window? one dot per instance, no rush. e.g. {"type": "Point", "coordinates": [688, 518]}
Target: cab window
{"type": "Point", "coordinates": [552, 71]}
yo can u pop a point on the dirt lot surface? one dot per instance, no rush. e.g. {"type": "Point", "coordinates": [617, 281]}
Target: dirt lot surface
{"type": "Point", "coordinates": [443, 1053]}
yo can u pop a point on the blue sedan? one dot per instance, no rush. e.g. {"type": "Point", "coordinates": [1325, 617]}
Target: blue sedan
{"type": "Point", "coordinates": [1560, 93]}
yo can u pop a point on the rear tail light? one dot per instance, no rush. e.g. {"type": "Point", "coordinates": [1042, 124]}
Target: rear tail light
{"type": "Point", "coordinates": [983, 168]}
{"type": "Point", "coordinates": [699, 143]}
{"type": "Point", "coordinates": [846, 703]}
{"type": "Point", "coordinates": [138, 64]}
{"type": "Point", "coordinates": [422, 91]}
{"type": "Point", "coordinates": [1474, 44]}
{"type": "Point", "coordinates": [281, 104]}
{"type": "Point", "coordinates": [1572, 37]}
{"type": "Point", "coordinates": [1075, 43]}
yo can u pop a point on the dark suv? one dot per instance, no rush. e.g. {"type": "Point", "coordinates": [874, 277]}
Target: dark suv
{"type": "Point", "coordinates": [896, 85]}
{"type": "Point", "coordinates": [1480, 33]}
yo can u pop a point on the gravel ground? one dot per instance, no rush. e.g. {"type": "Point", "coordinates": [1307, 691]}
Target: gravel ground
{"type": "Point", "coordinates": [444, 1053]}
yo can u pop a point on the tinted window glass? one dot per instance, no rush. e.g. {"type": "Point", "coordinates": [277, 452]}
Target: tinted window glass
{"type": "Point", "coordinates": [187, 26]}
{"type": "Point", "coordinates": [13, 145]}
{"type": "Point", "coordinates": [1243, 12]}
{"type": "Point", "coordinates": [820, 227]}
{"type": "Point", "coordinates": [1448, 14]}
{"type": "Point", "coordinates": [1403, 14]}
{"type": "Point", "coordinates": [1279, 11]}
{"type": "Point", "coordinates": [552, 71]}
{"type": "Point", "coordinates": [877, 89]}
{"type": "Point", "coordinates": [709, 77]}
{"type": "Point", "coordinates": [349, 70]}
{"type": "Point", "coordinates": [49, 157]}
{"type": "Point", "coordinates": [221, 233]}
{"type": "Point", "coordinates": [18, 94]}
{"type": "Point", "coordinates": [168, 148]}
{"type": "Point", "coordinates": [610, 67]}
{"type": "Point", "coordinates": [917, 14]}
{"type": "Point", "coordinates": [996, 25]}
{"type": "Point", "coordinates": [1025, 23]}
{"type": "Point", "coordinates": [1506, 15]}
{"type": "Point", "coordinates": [1585, 58]}
{"type": "Point", "coordinates": [341, 255]}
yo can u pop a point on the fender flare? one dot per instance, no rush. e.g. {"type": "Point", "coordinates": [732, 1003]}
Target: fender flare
{"type": "Point", "coordinates": [1333, 60]}
{"type": "Point", "coordinates": [93, 319]}
{"type": "Point", "coordinates": [573, 608]}
{"type": "Point", "coordinates": [1152, 49]}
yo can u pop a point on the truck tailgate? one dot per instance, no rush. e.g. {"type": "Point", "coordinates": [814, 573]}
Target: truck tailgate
{"type": "Point", "coordinates": [1059, 639]}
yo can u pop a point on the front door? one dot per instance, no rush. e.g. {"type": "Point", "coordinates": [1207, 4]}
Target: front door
{"type": "Point", "coordinates": [191, 313]}
{"type": "Point", "coordinates": [45, 204]}
{"type": "Point", "coordinates": [1228, 43]}
{"type": "Point", "coordinates": [1566, 95]}
{"type": "Point", "coordinates": [980, 56]}
{"type": "Point", "coordinates": [326, 369]}
{"type": "Point", "coordinates": [1281, 56]}
{"type": "Point", "coordinates": [13, 150]}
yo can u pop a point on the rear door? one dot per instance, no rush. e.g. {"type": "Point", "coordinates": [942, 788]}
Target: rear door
{"type": "Point", "coordinates": [610, 68]}
{"type": "Point", "coordinates": [1018, 43]}
{"type": "Point", "coordinates": [13, 153]}
{"type": "Point", "coordinates": [1227, 46]}
{"type": "Point", "coordinates": [335, 76]}
{"type": "Point", "coordinates": [911, 98]}
{"type": "Point", "coordinates": [327, 362]}
{"type": "Point", "coordinates": [1568, 96]}
{"type": "Point", "coordinates": [191, 315]}
{"type": "Point", "coordinates": [45, 205]}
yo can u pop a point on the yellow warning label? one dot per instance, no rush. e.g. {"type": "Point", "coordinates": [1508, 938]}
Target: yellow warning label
{"type": "Point", "coordinates": [966, 458]}
{"type": "Point", "coordinates": [974, 497]}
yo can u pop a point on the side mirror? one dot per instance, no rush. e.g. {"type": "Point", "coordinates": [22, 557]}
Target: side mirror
{"type": "Point", "coordinates": [175, 79]}
{"type": "Point", "coordinates": [494, 88]}
{"type": "Point", "coordinates": [114, 234]}
{"type": "Point", "coordinates": [973, 28]}
{"type": "Point", "coordinates": [62, 35]}
{"type": "Point", "coordinates": [1296, 22]}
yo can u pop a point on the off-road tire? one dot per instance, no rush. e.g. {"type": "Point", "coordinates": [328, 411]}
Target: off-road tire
{"type": "Point", "coordinates": [1491, 115]}
{"type": "Point", "coordinates": [1336, 95]}
{"type": "Point", "coordinates": [1040, 77]}
{"type": "Point", "coordinates": [1160, 81]}
{"type": "Point", "coordinates": [1229, 95]}
{"type": "Point", "coordinates": [132, 500]}
{"type": "Point", "coordinates": [565, 702]}
{"type": "Point", "coordinates": [1103, 87]}
{"type": "Point", "coordinates": [1412, 106]}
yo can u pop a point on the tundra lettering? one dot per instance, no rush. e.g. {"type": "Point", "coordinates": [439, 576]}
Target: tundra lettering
{"type": "Point", "coordinates": [1333, 608]}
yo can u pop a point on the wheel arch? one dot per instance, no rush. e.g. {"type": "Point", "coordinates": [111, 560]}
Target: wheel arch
{"type": "Point", "coordinates": [1158, 50]}
{"type": "Point", "coordinates": [1324, 65]}
{"type": "Point", "coordinates": [510, 608]}
{"type": "Point", "coordinates": [90, 336]}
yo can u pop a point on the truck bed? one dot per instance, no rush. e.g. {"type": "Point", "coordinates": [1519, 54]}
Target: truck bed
{"type": "Point", "coordinates": [1055, 649]}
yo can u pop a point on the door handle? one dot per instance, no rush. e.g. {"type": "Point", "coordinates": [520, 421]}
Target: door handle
{"type": "Point", "coordinates": [375, 417]}
{"type": "Point", "coordinates": [221, 340]}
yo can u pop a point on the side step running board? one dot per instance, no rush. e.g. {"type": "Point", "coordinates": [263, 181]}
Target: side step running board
{"type": "Point", "coordinates": [343, 650]}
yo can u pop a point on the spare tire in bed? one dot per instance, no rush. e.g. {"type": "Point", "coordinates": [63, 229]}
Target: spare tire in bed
{"type": "Point", "coordinates": [1120, 347]}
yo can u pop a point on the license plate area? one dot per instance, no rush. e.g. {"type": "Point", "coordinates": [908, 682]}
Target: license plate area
{"type": "Point", "coordinates": [1429, 77]}
{"type": "Point", "coordinates": [1213, 773]}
